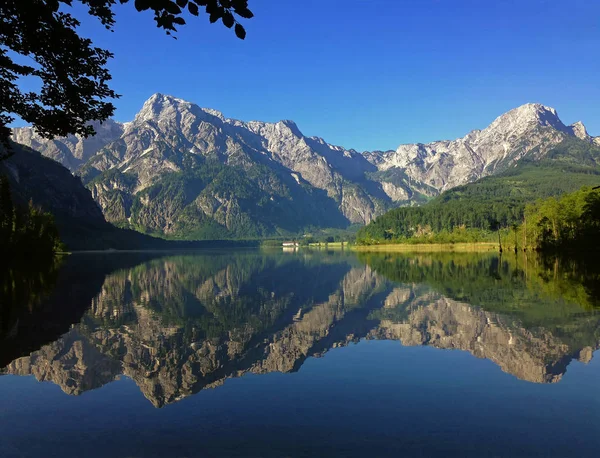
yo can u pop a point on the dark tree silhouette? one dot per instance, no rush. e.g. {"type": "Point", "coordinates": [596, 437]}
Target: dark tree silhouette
{"type": "Point", "coordinates": [38, 38]}
{"type": "Point", "coordinates": [25, 230]}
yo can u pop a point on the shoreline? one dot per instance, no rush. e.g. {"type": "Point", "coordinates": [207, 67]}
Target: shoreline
{"type": "Point", "coordinates": [480, 247]}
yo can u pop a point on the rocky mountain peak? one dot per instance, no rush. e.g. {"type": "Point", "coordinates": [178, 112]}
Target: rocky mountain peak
{"type": "Point", "coordinates": [158, 106]}
{"type": "Point", "coordinates": [528, 115]}
{"type": "Point", "coordinates": [579, 130]}
{"type": "Point", "coordinates": [170, 135]}
{"type": "Point", "coordinates": [161, 107]}
{"type": "Point", "coordinates": [291, 125]}
{"type": "Point", "coordinates": [442, 165]}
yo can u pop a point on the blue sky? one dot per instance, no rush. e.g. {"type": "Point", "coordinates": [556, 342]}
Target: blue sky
{"type": "Point", "coordinates": [369, 74]}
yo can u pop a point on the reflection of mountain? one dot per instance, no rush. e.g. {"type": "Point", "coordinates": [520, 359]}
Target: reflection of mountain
{"type": "Point", "coordinates": [177, 325]}
{"type": "Point", "coordinates": [39, 303]}
{"type": "Point", "coordinates": [534, 355]}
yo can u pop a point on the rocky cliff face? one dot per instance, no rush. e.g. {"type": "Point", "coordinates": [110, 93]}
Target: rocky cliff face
{"type": "Point", "coordinates": [72, 151]}
{"type": "Point", "coordinates": [176, 327]}
{"type": "Point", "coordinates": [179, 169]}
{"type": "Point", "coordinates": [280, 168]}
{"type": "Point", "coordinates": [531, 129]}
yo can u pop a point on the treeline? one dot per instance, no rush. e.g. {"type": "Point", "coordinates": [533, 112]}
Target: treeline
{"type": "Point", "coordinates": [25, 230]}
{"type": "Point", "coordinates": [567, 223]}
{"type": "Point", "coordinates": [314, 235]}
{"type": "Point", "coordinates": [477, 210]}
{"type": "Point", "coordinates": [473, 211]}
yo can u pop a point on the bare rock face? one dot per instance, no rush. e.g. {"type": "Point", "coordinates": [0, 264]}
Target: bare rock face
{"type": "Point", "coordinates": [579, 130]}
{"type": "Point", "coordinates": [396, 193]}
{"type": "Point", "coordinates": [127, 165]}
{"type": "Point", "coordinates": [74, 150]}
{"type": "Point", "coordinates": [297, 181]}
{"type": "Point", "coordinates": [446, 164]}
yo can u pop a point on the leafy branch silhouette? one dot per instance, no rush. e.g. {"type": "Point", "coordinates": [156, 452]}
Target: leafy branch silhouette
{"type": "Point", "coordinates": [39, 39]}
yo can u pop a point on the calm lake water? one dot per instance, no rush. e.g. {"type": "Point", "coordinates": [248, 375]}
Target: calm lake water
{"type": "Point", "coordinates": [306, 353]}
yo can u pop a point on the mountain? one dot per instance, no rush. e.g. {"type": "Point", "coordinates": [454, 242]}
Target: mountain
{"type": "Point", "coordinates": [183, 171]}
{"type": "Point", "coordinates": [180, 324]}
{"type": "Point", "coordinates": [497, 200]}
{"type": "Point", "coordinates": [52, 187]}
{"type": "Point", "coordinates": [72, 151]}
{"type": "Point", "coordinates": [531, 130]}
{"type": "Point", "coordinates": [81, 224]}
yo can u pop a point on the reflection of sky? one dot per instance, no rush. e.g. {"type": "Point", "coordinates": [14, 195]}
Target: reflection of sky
{"type": "Point", "coordinates": [267, 312]}
{"type": "Point", "coordinates": [371, 399]}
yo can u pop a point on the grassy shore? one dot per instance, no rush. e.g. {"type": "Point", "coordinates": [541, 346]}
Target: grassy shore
{"type": "Point", "coordinates": [329, 244]}
{"type": "Point", "coordinates": [430, 247]}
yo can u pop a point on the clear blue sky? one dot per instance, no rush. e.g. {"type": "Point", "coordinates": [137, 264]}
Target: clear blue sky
{"type": "Point", "coordinates": [369, 74]}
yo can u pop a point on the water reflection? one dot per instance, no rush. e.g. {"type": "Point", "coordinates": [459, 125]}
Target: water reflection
{"type": "Point", "coordinates": [178, 324]}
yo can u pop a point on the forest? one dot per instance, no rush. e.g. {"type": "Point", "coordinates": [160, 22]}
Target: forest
{"type": "Point", "coordinates": [568, 223]}
{"type": "Point", "coordinates": [477, 211]}
{"type": "Point", "coordinates": [25, 230]}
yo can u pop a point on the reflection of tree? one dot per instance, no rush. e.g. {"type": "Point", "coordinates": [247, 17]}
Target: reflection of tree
{"type": "Point", "coordinates": [41, 301]}
{"type": "Point", "coordinates": [23, 287]}
{"type": "Point", "coordinates": [552, 293]}
{"type": "Point", "coordinates": [498, 282]}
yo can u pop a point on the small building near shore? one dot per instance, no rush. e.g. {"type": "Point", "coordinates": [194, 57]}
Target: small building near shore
{"type": "Point", "coordinates": [290, 244]}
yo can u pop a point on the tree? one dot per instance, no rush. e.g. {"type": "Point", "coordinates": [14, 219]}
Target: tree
{"type": "Point", "coordinates": [25, 230]}
{"type": "Point", "coordinates": [7, 212]}
{"type": "Point", "coordinates": [72, 72]}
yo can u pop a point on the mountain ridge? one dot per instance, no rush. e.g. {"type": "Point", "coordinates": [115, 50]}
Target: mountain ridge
{"type": "Point", "coordinates": [299, 182]}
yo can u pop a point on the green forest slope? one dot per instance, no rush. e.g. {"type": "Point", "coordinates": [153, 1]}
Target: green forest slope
{"type": "Point", "coordinates": [493, 202]}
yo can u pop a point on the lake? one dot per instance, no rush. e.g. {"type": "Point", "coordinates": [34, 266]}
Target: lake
{"type": "Point", "coordinates": [300, 353]}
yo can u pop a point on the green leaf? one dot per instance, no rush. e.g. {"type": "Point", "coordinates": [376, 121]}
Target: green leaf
{"type": "Point", "coordinates": [142, 5]}
{"type": "Point", "coordinates": [193, 8]}
{"type": "Point", "coordinates": [240, 31]}
{"type": "Point", "coordinates": [228, 20]}
{"type": "Point", "coordinates": [244, 12]}
{"type": "Point", "coordinates": [172, 8]}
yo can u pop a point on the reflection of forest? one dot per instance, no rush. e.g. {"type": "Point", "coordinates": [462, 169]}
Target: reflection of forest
{"type": "Point", "coordinates": [179, 324]}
